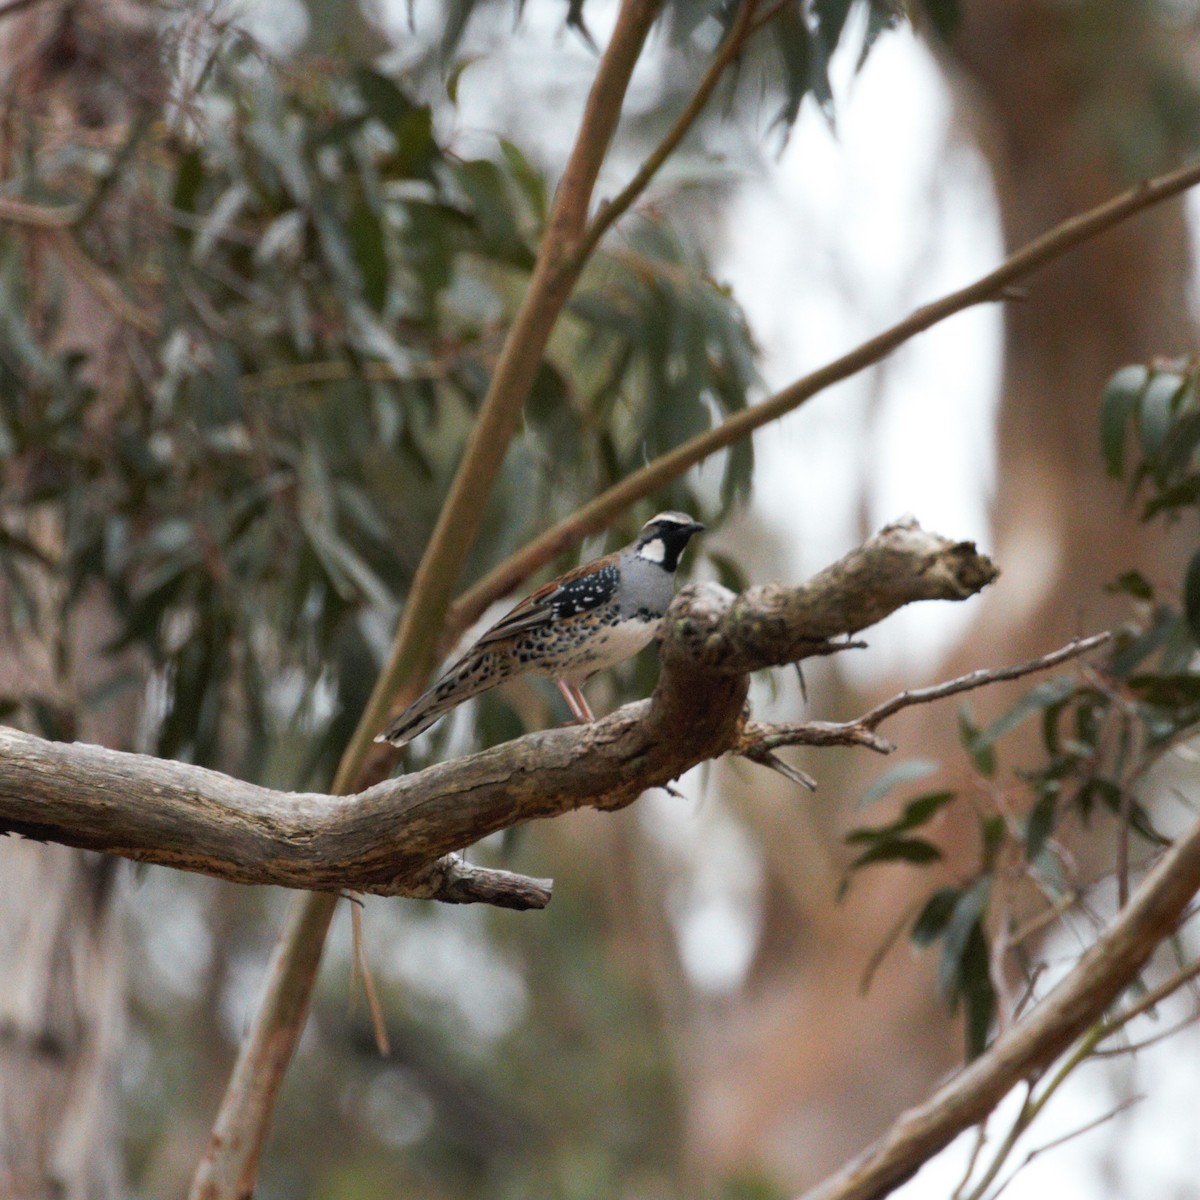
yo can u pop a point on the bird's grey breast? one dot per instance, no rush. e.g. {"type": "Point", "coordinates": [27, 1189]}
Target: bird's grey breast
{"type": "Point", "coordinates": [646, 589]}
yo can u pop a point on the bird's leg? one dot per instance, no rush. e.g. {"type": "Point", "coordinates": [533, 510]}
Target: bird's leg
{"type": "Point", "coordinates": [576, 702]}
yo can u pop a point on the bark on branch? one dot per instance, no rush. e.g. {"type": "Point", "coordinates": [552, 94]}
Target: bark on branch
{"type": "Point", "coordinates": [394, 838]}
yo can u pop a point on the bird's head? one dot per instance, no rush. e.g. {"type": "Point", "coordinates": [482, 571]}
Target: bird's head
{"type": "Point", "coordinates": [663, 538]}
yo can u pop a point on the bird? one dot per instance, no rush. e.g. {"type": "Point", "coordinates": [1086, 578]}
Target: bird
{"type": "Point", "coordinates": [593, 617]}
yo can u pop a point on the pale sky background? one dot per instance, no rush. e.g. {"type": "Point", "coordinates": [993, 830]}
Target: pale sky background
{"type": "Point", "coordinates": [825, 244]}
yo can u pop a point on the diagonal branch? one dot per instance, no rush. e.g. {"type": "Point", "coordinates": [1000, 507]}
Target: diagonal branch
{"type": "Point", "coordinates": [600, 512]}
{"type": "Point", "coordinates": [611, 211]}
{"type": "Point", "coordinates": [1026, 1049]}
{"type": "Point", "coordinates": [230, 1164]}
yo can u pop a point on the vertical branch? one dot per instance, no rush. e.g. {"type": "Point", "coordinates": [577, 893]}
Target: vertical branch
{"type": "Point", "coordinates": [230, 1164]}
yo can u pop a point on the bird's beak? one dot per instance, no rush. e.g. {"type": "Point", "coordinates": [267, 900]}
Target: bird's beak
{"type": "Point", "coordinates": [696, 527]}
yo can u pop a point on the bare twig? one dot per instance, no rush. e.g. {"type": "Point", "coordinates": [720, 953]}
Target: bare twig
{"type": "Point", "coordinates": [38, 216]}
{"type": "Point", "coordinates": [1151, 999]}
{"type": "Point", "coordinates": [759, 739]}
{"type": "Point", "coordinates": [362, 968]}
{"type": "Point", "coordinates": [976, 1151]}
{"type": "Point", "coordinates": [102, 285]}
{"type": "Point", "coordinates": [612, 210]}
{"type": "Point", "coordinates": [1029, 1109]}
{"type": "Point", "coordinates": [982, 678]}
{"type": "Point", "coordinates": [1037, 1151]}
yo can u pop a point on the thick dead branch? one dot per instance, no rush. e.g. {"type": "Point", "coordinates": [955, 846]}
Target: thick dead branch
{"type": "Point", "coordinates": [393, 838]}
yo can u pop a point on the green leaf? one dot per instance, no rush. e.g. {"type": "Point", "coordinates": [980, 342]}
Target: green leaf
{"type": "Point", "coordinates": [1167, 691]}
{"type": "Point", "coordinates": [1040, 697]}
{"type": "Point", "coordinates": [1183, 437]}
{"type": "Point", "coordinates": [910, 850]}
{"type": "Point", "coordinates": [528, 178]}
{"type": "Point", "coordinates": [793, 44]}
{"type": "Point", "coordinates": [1183, 494]}
{"type": "Point", "coordinates": [969, 910]}
{"type": "Point", "coordinates": [992, 830]}
{"type": "Point", "coordinates": [729, 573]}
{"type": "Point", "coordinates": [1191, 596]}
{"type": "Point", "coordinates": [905, 772]}
{"type": "Point", "coordinates": [1158, 410]}
{"type": "Point", "coordinates": [487, 190]}
{"type": "Point", "coordinates": [189, 177]}
{"type": "Point", "coordinates": [370, 253]}
{"type": "Point", "coordinates": [1117, 405]}
{"type": "Point", "coordinates": [410, 124]}
{"type": "Point", "coordinates": [1039, 824]}
{"type": "Point", "coordinates": [976, 744]}
{"type": "Point", "coordinates": [979, 994]}
{"type": "Point", "coordinates": [932, 920]}
{"type": "Point", "coordinates": [1131, 583]}
{"type": "Point", "coordinates": [1131, 652]}
{"type": "Point", "coordinates": [831, 20]}
{"type": "Point", "coordinates": [916, 813]}
{"type": "Point", "coordinates": [738, 477]}
{"type": "Point", "coordinates": [943, 15]}
{"type": "Point", "coordinates": [882, 15]}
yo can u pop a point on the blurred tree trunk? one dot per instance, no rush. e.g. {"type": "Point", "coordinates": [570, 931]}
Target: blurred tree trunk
{"type": "Point", "coordinates": [62, 985]}
{"type": "Point", "coordinates": [802, 1071]}
{"type": "Point", "coordinates": [61, 1020]}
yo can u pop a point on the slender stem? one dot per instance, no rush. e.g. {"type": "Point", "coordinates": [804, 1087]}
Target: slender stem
{"type": "Point", "coordinates": [611, 211]}
{"type": "Point", "coordinates": [20, 212]}
{"type": "Point", "coordinates": [598, 513]}
{"type": "Point", "coordinates": [1017, 1128]}
{"type": "Point", "coordinates": [1151, 999]}
{"type": "Point", "coordinates": [1054, 1143]}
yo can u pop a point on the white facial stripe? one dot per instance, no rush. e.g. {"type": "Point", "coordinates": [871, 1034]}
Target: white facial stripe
{"type": "Point", "coordinates": [653, 551]}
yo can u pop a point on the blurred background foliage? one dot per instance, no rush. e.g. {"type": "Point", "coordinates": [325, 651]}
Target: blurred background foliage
{"type": "Point", "coordinates": [249, 303]}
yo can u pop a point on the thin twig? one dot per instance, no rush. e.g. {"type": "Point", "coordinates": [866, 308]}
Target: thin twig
{"type": "Point", "coordinates": [611, 211]}
{"type": "Point", "coordinates": [1151, 999]}
{"type": "Point", "coordinates": [889, 940]}
{"type": "Point", "coordinates": [363, 969]}
{"type": "Point", "coordinates": [982, 678]}
{"type": "Point", "coordinates": [101, 284]}
{"type": "Point", "coordinates": [39, 216]}
{"type": "Point", "coordinates": [1066, 1137]}
{"type": "Point", "coordinates": [1018, 1127]}
{"type": "Point", "coordinates": [976, 1151]}
{"type": "Point", "coordinates": [1134, 1048]}
{"type": "Point", "coordinates": [760, 738]}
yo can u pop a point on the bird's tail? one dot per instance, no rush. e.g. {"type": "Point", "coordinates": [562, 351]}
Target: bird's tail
{"type": "Point", "coordinates": [474, 673]}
